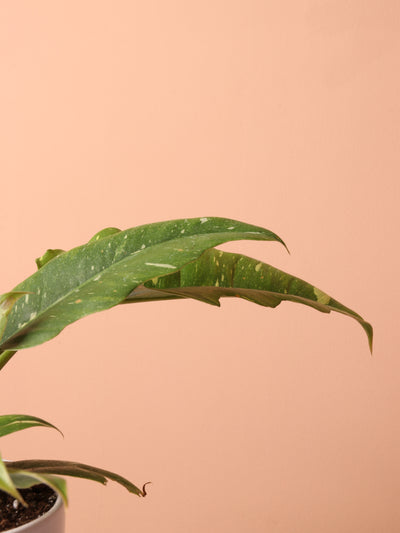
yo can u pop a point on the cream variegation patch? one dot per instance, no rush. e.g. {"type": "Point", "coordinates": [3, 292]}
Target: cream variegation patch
{"type": "Point", "coordinates": [322, 297]}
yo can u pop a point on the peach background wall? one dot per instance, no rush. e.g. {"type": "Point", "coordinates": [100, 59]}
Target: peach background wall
{"type": "Point", "coordinates": [282, 114]}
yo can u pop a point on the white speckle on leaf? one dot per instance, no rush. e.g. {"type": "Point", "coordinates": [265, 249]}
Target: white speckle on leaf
{"type": "Point", "coordinates": [97, 278]}
{"type": "Point", "coordinates": [254, 232]}
{"type": "Point", "coordinates": [125, 236]}
{"type": "Point", "coordinates": [257, 267]}
{"type": "Point", "coordinates": [38, 291]}
{"type": "Point", "coordinates": [92, 267]}
{"type": "Point", "coordinates": [143, 247]}
{"type": "Point", "coordinates": [161, 265]}
{"type": "Point", "coordinates": [222, 277]}
{"type": "Point", "coordinates": [33, 315]}
{"type": "Point", "coordinates": [217, 283]}
{"type": "Point", "coordinates": [182, 231]}
{"type": "Point", "coordinates": [26, 298]}
{"type": "Point", "coordinates": [204, 219]}
{"type": "Point", "coordinates": [232, 227]}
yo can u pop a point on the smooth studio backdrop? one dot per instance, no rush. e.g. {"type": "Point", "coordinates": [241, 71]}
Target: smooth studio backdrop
{"type": "Point", "coordinates": [282, 114]}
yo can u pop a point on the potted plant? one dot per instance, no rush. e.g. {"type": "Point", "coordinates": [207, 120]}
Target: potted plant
{"type": "Point", "coordinates": [175, 259]}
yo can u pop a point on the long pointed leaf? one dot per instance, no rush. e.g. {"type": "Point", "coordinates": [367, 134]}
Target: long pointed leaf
{"type": "Point", "coordinates": [69, 468]}
{"type": "Point", "coordinates": [101, 273]}
{"type": "Point", "coordinates": [219, 274]}
{"type": "Point", "coordinates": [12, 423]}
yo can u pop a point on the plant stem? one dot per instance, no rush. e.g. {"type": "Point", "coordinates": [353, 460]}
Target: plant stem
{"type": "Point", "coordinates": [5, 357]}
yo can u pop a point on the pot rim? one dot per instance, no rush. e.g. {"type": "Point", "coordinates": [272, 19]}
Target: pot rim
{"type": "Point", "coordinates": [25, 527]}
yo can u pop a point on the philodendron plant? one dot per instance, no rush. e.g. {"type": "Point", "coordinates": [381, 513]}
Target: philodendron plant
{"type": "Point", "coordinates": [168, 260]}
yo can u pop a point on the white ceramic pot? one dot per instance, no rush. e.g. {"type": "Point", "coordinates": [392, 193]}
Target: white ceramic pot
{"type": "Point", "coordinates": [51, 522]}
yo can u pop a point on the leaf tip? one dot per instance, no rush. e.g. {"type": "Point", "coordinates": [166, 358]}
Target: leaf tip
{"type": "Point", "coordinates": [286, 248]}
{"type": "Point", "coordinates": [370, 333]}
{"type": "Point", "coordinates": [144, 492]}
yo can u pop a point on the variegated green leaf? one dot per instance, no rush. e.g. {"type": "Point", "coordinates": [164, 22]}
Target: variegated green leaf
{"type": "Point", "coordinates": [12, 423]}
{"type": "Point", "coordinates": [101, 273]}
{"type": "Point", "coordinates": [218, 274]}
{"type": "Point", "coordinates": [69, 468]}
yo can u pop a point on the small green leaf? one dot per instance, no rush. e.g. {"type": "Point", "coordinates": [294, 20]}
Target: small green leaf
{"type": "Point", "coordinates": [48, 256]}
{"type": "Point", "coordinates": [6, 483]}
{"type": "Point", "coordinates": [12, 423]}
{"type": "Point", "coordinates": [69, 468]}
{"type": "Point", "coordinates": [106, 232]}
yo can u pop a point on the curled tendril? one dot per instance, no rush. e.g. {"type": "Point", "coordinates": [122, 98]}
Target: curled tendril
{"type": "Point", "coordinates": [144, 488]}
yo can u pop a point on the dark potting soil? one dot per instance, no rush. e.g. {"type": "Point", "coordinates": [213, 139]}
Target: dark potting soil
{"type": "Point", "coordinates": [40, 499]}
